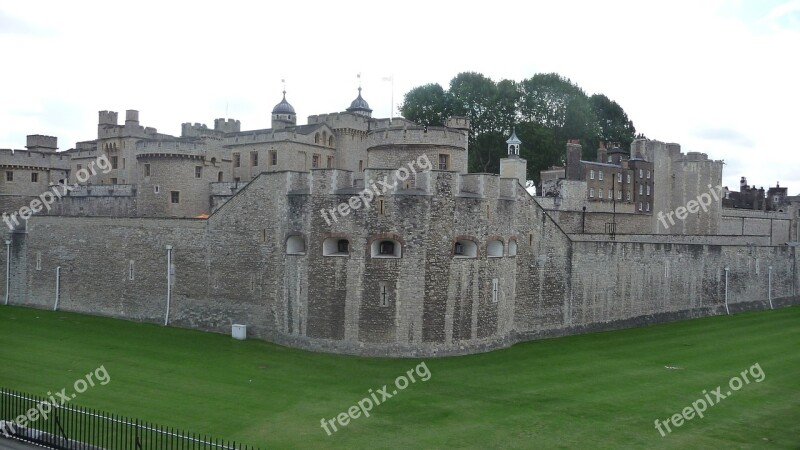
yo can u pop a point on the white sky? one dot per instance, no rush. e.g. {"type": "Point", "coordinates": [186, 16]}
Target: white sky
{"type": "Point", "coordinates": [720, 77]}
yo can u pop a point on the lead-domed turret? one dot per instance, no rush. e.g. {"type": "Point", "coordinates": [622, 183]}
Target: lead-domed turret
{"type": "Point", "coordinates": [360, 106]}
{"type": "Point", "coordinates": [283, 114]}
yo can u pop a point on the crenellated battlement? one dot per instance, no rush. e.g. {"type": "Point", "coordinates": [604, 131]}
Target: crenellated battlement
{"type": "Point", "coordinates": [171, 147]}
{"type": "Point", "coordinates": [34, 159]}
{"type": "Point", "coordinates": [227, 125]}
{"type": "Point", "coordinates": [417, 135]}
{"type": "Point", "coordinates": [42, 143]}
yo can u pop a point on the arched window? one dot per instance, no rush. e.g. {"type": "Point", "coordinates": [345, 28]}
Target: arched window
{"type": "Point", "coordinates": [494, 249]}
{"type": "Point", "coordinates": [219, 177]}
{"type": "Point", "coordinates": [316, 138]}
{"type": "Point", "coordinates": [512, 247]}
{"type": "Point", "coordinates": [386, 248]}
{"type": "Point", "coordinates": [465, 248]}
{"type": "Point", "coordinates": [330, 141]}
{"type": "Point", "coordinates": [295, 245]}
{"type": "Point", "coordinates": [335, 247]}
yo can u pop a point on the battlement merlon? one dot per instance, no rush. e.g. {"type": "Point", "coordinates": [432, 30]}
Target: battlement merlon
{"type": "Point", "coordinates": [42, 143]}
{"type": "Point", "coordinates": [227, 125]}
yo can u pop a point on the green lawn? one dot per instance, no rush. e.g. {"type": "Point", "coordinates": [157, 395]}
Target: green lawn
{"type": "Point", "coordinates": [601, 390]}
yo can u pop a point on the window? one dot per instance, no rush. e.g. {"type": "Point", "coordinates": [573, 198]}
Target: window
{"type": "Point", "coordinates": [384, 294]}
{"type": "Point", "coordinates": [619, 195]}
{"type": "Point", "coordinates": [640, 206]}
{"type": "Point", "coordinates": [600, 175]}
{"type": "Point", "coordinates": [360, 165]}
{"type": "Point", "coordinates": [335, 247]}
{"type": "Point", "coordinates": [198, 171]}
{"type": "Point", "coordinates": [315, 161]}
{"type": "Point", "coordinates": [444, 162]}
{"type": "Point", "coordinates": [295, 245]}
{"type": "Point", "coordinates": [253, 159]}
{"type": "Point", "coordinates": [610, 195]}
{"type": "Point", "coordinates": [494, 290]}
{"type": "Point", "coordinates": [156, 190]}
{"type": "Point", "coordinates": [34, 177]}
{"type": "Point", "coordinates": [591, 174]}
{"type": "Point", "coordinates": [629, 178]}
{"type": "Point", "coordinates": [494, 249]}
{"type": "Point", "coordinates": [629, 196]}
{"type": "Point", "coordinates": [640, 173]}
{"type": "Point", "coordinates": [237, 160]}
{"type": "Point", "coordinates": [130, 270]}
{"type": "Point", "coordinates": [386, 248]}
{"type": "Point", "coordinates": [641, 186]}
{"type": "Point", "coordinates": [381, 208]}
{"type": "Point", "coordinates": [273, 158]}
{"type": "Point", "coordinates": [619, 177]}
{"type": "Point", "coordinates": [648, 189]}
{"type": "Point", "coordinates": [648, 206]}
{"type": "Point", "coordinates": [123, 163]}
{"type": "Point", "coordinates": [146, 169]}
{"type": "Point", "coordinates": [9, 175]}
{"type": "Point", "coordinates": [610, 159]}
{"type": "Point", "coordinates": [512, 248]}
{"type": "Point", "coordinates": [113, 181]}
{"type": "Point", "coordinates": [591, 192]}
{"type": "Point", "coordinates": [330, 141]}
{"type": "Point", "coordinates": [465, 248]}
{"type": "Point", "coordinates": [175, 196]}
{"type": "Point", "coordinates": [316, 138]}
{"type": "Point", "coordinates": [114, 161]}
{"type": "Point", "coordinates": [648, 174]}
{"type": "Point", "coordinates": [38, 260]}
{"type": "Point", "coordinates": [600, 193]}
{"type": "Point", "coordinates": [330, 162]}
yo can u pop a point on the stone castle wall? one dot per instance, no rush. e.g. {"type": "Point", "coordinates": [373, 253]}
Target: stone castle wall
{"type": "Point", "coordinates": [234, 268]}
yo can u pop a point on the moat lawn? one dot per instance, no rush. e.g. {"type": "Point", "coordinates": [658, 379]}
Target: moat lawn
{"type": "Point", "coordinates": [602, 390]}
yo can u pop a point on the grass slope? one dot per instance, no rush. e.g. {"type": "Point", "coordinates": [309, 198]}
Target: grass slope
{"type": "Point", "coordinates": [600, 390]}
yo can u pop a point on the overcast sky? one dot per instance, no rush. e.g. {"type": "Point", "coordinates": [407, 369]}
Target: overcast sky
{"type": "Point", "coordinates": [719, 77]}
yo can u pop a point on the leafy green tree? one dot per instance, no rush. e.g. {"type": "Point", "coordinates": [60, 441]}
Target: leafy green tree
{"type": "Point", "coordinates": [612, 121]}
{"type": "Point", "coordinates": [546, 109]}
{"type": "Point", "coordinates": [426, 105]}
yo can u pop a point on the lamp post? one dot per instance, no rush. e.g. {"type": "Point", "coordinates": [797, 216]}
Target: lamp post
{"type": "Point", "coordinates": [8, 267]}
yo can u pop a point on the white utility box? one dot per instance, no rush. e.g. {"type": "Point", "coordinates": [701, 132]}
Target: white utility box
{"type": "Point", "coordinates": [239, 332]}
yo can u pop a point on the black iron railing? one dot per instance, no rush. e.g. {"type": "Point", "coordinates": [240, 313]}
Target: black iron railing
{"type": "Point", "coordinates": [71, 427]}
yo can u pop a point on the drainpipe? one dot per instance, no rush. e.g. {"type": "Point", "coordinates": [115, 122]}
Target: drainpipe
{"type": "Point", "coordinates": [8, 267]}
{"type": "Point", "coordinates": [769, 289]}
{"type": "Point", "coordinates": [169, 281]}
{"type": "Point", "coordinates": [726, 291]}
{"type": "Point", "coordinates": [58, 286]}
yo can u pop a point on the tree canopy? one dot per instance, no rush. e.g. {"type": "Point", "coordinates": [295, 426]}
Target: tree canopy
{"type": "Point", "coordinates": [546, 109]}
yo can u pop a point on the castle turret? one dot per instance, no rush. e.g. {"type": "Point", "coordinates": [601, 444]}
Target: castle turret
{"type": "Point", "coordinates": [41, 143]}
{"type": "Point", "coordinates": [360, 106]}
{"type": "Point", "coordinates": [514, 166]}
{"type": "Point", "coordinates": [283, 115]}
